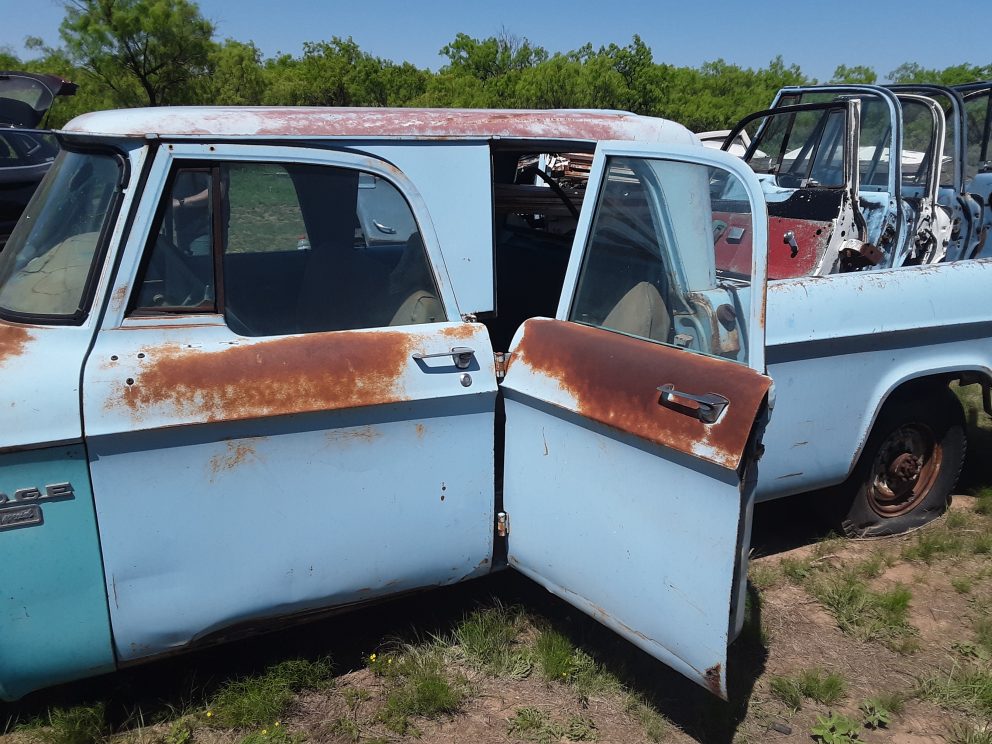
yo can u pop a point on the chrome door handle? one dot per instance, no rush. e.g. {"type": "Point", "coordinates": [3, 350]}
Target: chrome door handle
{"type": "Point", "coordinates": [708, 408]}
{"type": "Point", "coordinates": [462, 356]}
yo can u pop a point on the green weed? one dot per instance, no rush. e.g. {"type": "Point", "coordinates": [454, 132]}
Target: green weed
{"type": "Point", "coordinates": [531, 724]}
{"type": "Point", "coordinates": [874, 714]}
{"type": "Point", "coordinates": [796, 570]}
{"type": "Point", "coordinates": [835, 728]}
{"type": "Point", "coordinates": [812, 684]}
{"type": "Point", "coordinates": [956, 520]}
{"type": "Point", "coordinates": [787, 690]}
{"type": "Point", "coordinates": [968, 734]}
{"type": "Point", "coordinates": [421, 686]}
{"type": "Point", "coordinates": [983, 502]}
{"type": "Point", "coordinates": [763, 575]}
{"type": "Point", "coordinates": [254, 701]}
{"type": "Point", "coordinates": [345, 728]}
{"type": "Point", "coordinates": [961, 584]}
{"type": "Point", "coordinates": [81, 724]}
{"type": "Point", "coordinates": [274, 734]}
{"type": "Point", "coordinates": [937, 542]}
{"type": "Point", "coordinates": [180, 732]}
{"type": "Point", "coordinates": [983, 634]}
{"type": "Point", "coordinates": [864, 613]}
{"type": "Point", "coordinates": [965, 688]}
{"type": "Point", "coordinates": [656, 726]}
{"type": "Point", "coordinates": [488, 639]}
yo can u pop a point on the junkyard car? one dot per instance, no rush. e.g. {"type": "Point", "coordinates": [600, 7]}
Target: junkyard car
{"type": "Point", "coordinates": [309, 358]}
{"type": "Point", "coordinates": [26, 153]}
{"type": "Point", "coordinates": [248, 372]}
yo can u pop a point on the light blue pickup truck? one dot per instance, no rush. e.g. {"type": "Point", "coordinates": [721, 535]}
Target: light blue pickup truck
{"type": "Point", "coordinates": [261, 363]}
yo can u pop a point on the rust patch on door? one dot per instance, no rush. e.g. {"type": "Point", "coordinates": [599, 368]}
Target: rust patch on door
{"type": "Point", "coordinates": [712, 679]}
{"type": "Point", "coordinates": [300, 374]}
{"type": "Point", "coordinates": [13, 339]}
{"type": "Point", "coordinates": [461, 332]}
{"type": "Point", "coordinates": [238, 453]}
{"type": "Point", "coordinates": [613, 379]}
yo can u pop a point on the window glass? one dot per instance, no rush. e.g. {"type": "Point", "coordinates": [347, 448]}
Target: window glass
{"type": "Point", "coordinates": [918, 132]}
{"type": "Point", "coordinates": [801, 149]}
{"type": "Point", "coordinates": [977, 112]}
{"type": "Point", "coordinates": [656, 261]}
{"type": "Point", "coordinates": [179, 270]}
{"type": "Point", "coordinates": [47, 262]}
{"type": "Point", "coordinates": [299, 248]}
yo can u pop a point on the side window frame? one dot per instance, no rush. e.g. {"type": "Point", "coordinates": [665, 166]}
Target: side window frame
{"type": "Point", "coordinates": [691, 154]}
{"type": "Point", "coordinates": [188, 154]}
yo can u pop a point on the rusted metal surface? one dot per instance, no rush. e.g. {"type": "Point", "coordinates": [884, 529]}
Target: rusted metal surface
{"type": "Point", "coordinates": [270, 378]}
{"type": "Point", "coordinates": [238, 453]}
{"type": "Point", "coordinates": [712, 677]}
{"type": "Point", "coordinates": [13, 340]}
{"type": "Point", "coordinates": [812, 237]}
{"type": "Point", "coordinates": [184, 122]}
{"type": "Point", "coordinates": [613, 380]}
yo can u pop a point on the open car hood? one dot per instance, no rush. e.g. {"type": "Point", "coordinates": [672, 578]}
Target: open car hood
{"type": "Point", "coordinates": [26, 96]}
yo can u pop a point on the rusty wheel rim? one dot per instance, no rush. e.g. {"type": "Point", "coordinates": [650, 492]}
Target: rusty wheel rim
{"type": "Point", "coordinates": [904, 470]}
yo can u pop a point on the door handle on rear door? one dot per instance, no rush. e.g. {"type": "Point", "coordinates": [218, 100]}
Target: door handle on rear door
{"type": "Point", "coordinates": [462, 356]}
{"type": "Point", "coordinates": [708, 406]}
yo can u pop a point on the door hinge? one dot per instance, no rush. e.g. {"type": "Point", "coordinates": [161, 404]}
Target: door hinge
{"type": "Point", "coordinates": [502, 361]}
{"type": "Point", "coordinates": [502, 524]}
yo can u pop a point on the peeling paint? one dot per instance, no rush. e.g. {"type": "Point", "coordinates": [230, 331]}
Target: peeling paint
{"type": "Point", "coordinates": [238, 452]}
{"type": "Point", "coordinates": [613, 380]}
{"type": "Point", "coordinates": [274, 377]}
{"type": "Point", "coordinates": [407, 123]}
{"type": "Point", "coordinates": [13, 340]}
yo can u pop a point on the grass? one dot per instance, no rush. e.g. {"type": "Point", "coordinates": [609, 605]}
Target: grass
{"type": "Point", "coordinates": [968, 734]}
{"type": "Point", "coordinates": [983, 502]}
{"type": "Point", "coordinates": [864, 613]}
{"type": "Point", "coordinates": [80, 724]}
{"type": "Point", "coordinates": [656, 726]}
{"type": "Point", "coordinates": [488, 639]}
{"type": "Point", "coordinates": [983, 634]}
{"type": "Point", "coordinates": [810, 684]}
{"type": "Point", "coordinates": [421, 684]}
{"type": "Point", "coordinates": [964, 688]}
{"type": "Point", "coordinates": [763, 575]}
{"type": "Point", "coordinates": [262, 699]}
{"type": "Point", "coordinates": [531, 724]}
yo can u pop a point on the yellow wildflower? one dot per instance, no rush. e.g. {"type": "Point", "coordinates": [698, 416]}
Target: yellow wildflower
{"type": "Point", "coordinates": [210, 713]}
{"type": "Point", "coordinates": [264, 732]}
{"type": "Point", "coordinates": [372, 657]}
{"type": "Point", "coordinates": [276, 723]}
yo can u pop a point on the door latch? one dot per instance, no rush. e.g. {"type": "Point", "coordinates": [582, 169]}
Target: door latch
{"type": "Point", "coordinates": [708, 406]}
{"type": "Point", "coordinates": [462, 356]}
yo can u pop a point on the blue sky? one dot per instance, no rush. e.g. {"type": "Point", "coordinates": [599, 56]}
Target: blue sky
{"type": "Point", "coordinates": [814, 34]}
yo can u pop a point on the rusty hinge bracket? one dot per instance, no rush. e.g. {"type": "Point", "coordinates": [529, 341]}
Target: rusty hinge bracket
{"type": "Point", "coordinates": [502, 524]}
{"type": "Point", "coordinates": [502, 360]}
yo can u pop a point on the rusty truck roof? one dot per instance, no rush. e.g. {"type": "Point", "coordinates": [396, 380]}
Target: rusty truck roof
{"type": "Point", "coordinates": [366, 123]}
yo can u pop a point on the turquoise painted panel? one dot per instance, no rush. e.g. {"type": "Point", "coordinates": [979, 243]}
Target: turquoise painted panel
{"type": "Point", "coordinates": [53, 600]}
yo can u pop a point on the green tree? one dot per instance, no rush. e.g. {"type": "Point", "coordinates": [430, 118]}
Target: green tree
{"type": "Point", "coordinates": [238, 78]}
{"type": "Point", "coordinates": [912, 72]}
{"type": "Point", "coordinates": [855, 75]}
{"type": "Point", "coordinates": [149, 52]}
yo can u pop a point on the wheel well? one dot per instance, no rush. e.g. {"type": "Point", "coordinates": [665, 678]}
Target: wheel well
{"type": "Point", "coordinates": [917, 386]}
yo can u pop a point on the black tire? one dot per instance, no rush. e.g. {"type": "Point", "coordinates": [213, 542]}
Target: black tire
{"type": "Point", "coordinates": [909, 466]}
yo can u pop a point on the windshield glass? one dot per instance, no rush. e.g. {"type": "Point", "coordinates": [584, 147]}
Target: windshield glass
{"type": "Point", "coordinates": [47, 261]}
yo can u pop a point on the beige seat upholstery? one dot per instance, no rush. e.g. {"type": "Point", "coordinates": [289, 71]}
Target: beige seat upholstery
{"type": "Point", "coordinates": [420, 307]}
{"type": "Point", "coordinates": [411, 279]}
{"type": "Point", "coordinates": [641, 312]}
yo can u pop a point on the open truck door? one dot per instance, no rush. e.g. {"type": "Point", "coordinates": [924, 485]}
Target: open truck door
{"type": "Point", "coordinates": [633, 418]}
